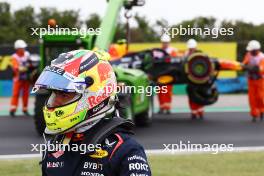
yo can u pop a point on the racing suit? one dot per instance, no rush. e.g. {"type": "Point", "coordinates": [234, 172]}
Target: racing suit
{"type": "Point", "coordinates": [165, 98]}
{"type": "Point", "coordinates": [119, 155]}
{"type": "Point", "coordinates": [20, 80]}
{"type": "Point", "coordinates": [255, 84]}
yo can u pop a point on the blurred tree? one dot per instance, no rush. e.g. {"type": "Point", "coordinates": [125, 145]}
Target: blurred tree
{"type": "Point", "coordinates": [45, 14]}
{"type": "Point", "coordinates": [6, 34]}
{"type": "Point", "coordinates": [144, 32]}
{"type": "Point", "coordinates": [93, 21]}
{"type": "Point", "coordinates": [17, 25]}
{"type": "Point", "coordinates": [5, 15]}
{"type": "Point", "coordinates": [120, 31]}
{"type": "Point", "coordinates": [24, 20]}
{"type": "Point", "coordinates": [67, 18]}
{"type": "Point", "coordinates": [162, 23]}
{"type": "Point", "coordinates": [160, 26]}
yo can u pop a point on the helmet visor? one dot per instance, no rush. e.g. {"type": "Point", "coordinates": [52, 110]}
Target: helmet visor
{"type": "Point", "coordinates": [59, 80]}
{"type": "Point", "coordinates": [61, 98]}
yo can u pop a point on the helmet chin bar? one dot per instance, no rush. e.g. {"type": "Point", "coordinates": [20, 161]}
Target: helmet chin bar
{"type": "Point", "coordinates": [97, 116]}
{"type": "Point", "coordinates": [93, 118]}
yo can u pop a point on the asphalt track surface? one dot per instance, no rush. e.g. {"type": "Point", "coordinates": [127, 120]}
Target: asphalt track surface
{"type": "Point", "coordinates": [17, 134]}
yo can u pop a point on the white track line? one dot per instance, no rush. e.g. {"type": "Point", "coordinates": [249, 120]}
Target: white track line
{"type": "Point", "coordinates": [20, 156]}
{"type": "Point", "coordinates": [149, 152]}
{"type": "Point", "coordinates": [177, 152]}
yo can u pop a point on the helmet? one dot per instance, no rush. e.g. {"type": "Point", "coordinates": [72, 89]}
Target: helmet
{"type": "Point", "coordinates": [20, 44]}
{"type": "Point", "coordinates": [82, 88]}
{"type": "Point", "coordinates": [253, 45]}
{"type": "Point", "coordinates": [165, 38]}
{"type": "Point", "coordinates": [191, 43]}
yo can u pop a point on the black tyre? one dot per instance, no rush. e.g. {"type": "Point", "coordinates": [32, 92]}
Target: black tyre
{"type": "Point", "coordinates": [202, 95]}
{"type": "Point", "coordinates": [145, 118]}
{"type": "Point", "coordinates": [38, 116]}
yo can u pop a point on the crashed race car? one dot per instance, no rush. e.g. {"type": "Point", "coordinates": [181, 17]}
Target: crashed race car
{"type": "Point", "coordinates": [198, 71]}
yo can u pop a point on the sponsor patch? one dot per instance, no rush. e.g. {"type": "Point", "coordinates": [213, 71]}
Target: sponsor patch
{"type": "Point", "coordinates": [53, 69]}
{"type": "Point", "coordinates": [93, 166]}
{"type": "Point", "coordinates": [108, 143]}
{"type": "Point", "coordinates": [64, 57]}
{"type": "Point", "coordinates": [74, 118]}
{"type": "Point", "coordinates": [99, 154]}
{"type": "Point", "coordinates": [105, 93]}
{"type": "Point", "coordinates": [59, 113]}
{"type": "Point", "coordinates": [138, 167]}
{"type": "Point", "coordinates": [136, 157]}
{"type": "Point", "coordinates": [58, 164]}
{"type": "Point", "coordinates": [91, 174]}
{"type": "Point", "coordinates": [51, 124]}
{"type": "Point", "coordinates": [88, 63]}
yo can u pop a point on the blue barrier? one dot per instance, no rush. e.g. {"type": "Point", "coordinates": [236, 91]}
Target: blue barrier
{"type": "Point", "coordinates": [6, 88]}
{"type": "Point", "coordinates": [233, 85]}
{"type": "Point", "coordinates": [230, 85]}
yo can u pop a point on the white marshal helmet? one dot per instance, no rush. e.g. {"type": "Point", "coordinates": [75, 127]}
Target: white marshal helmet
{"type": "Point", "coordinates": [165, 38]}
{"type": "Point", "coordinates": [253, 45]}
{"type": "Point", "coordinates": [20, 44]}
{"type": "Point", "coordinates": [191, 43]}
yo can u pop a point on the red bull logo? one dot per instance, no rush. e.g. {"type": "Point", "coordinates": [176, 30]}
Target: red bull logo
{"type": "Point", "coordinates": [104, 71]}
{"type": "Point", "coordinates": [105, 93]}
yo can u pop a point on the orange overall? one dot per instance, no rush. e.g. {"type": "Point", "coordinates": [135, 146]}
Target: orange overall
{"type": "Point", "coordinates": [196, 109]}
{"type": "Point", "coordinates": [20, 81]}
{"type": "Point", "coordinates": [165, 98]}
{"type": "Point", "coordinates": [255, 84]}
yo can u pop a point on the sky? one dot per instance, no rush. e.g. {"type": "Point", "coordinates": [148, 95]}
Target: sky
{"type": "Point", "coordinates": [174, 11]}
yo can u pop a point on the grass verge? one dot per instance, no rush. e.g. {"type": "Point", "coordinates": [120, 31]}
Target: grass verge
{"type": "Point", "coordinates": [227, 164]}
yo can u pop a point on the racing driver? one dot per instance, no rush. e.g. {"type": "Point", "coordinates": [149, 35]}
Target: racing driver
{"type": "Point", "coordinates": [81, 111]}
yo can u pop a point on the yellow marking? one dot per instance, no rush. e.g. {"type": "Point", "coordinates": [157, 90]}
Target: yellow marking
{"type": "Point", "coordinates": [99, 154]}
